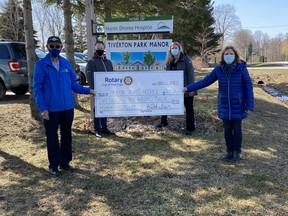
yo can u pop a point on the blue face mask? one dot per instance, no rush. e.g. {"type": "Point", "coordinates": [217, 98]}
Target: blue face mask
{"type": "Point", "coordinates": [175, 52]}
{"type": "Point", "coordinates": [229, 59]}
{"type": "Point", "coordinates": [55, 52]}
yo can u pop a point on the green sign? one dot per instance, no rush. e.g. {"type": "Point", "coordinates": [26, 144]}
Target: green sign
{"type": "Point", "coordinates": [155, 24]}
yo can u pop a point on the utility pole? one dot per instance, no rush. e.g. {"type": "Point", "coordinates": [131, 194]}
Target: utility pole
{"type": "Point", "coordinates": [89, 11]}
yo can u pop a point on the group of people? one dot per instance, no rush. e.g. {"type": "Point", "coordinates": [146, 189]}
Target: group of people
{"type": "Point", "coordinates": [55, 81]}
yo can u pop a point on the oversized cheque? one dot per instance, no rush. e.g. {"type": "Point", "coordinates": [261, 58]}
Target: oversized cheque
{"type": "Point", "coordinates": [141, 93]}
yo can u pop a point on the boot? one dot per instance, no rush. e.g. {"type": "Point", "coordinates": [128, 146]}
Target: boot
{"type": "Point", "coordinates": [162, 124]}
{"type": "Point", "coordinates": [236, 157]}
{"type": "Point", "coordinates": [228, 156]}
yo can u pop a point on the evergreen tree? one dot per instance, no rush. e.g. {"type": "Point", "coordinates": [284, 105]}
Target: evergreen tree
{"type": "Point", "coordinates": [12, 21]}
{"type": "Point", "coordinates": [193, 23]}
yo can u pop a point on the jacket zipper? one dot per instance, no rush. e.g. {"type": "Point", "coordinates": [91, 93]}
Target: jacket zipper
{"type": "Point", "coordinates": [228, 81]}
{"type": "Point", "coordinates": [103, 64]}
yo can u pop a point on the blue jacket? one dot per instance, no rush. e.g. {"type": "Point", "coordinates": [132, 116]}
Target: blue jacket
{"type": "Point", "coordinates": [52, 88]}
{"type": "Point", "coordinates": [235, 90]}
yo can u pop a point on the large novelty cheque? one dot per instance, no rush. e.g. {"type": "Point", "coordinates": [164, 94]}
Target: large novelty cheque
{"type": "Point", "coordinates": [141, 93]}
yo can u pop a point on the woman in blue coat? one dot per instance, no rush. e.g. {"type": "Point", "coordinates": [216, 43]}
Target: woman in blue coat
{"type": "Point", "coordinates": [235, 97]}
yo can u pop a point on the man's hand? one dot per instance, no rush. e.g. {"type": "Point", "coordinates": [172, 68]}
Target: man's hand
{"type": "Point", "coordinates": [45, 115]}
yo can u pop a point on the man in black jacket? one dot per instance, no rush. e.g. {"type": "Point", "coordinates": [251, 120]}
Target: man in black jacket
{"type": "Point", "coordinates": [99, 62]}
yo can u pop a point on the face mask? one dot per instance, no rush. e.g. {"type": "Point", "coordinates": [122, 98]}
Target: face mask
{"type": "Point", "coordinates": [229, 58]}
{"type": "Point", "coordinates": [175, 52]}
{"type": "Point", "coordinates": [99, 52]}
{"type": "Point", "coordinates": [54, 52]}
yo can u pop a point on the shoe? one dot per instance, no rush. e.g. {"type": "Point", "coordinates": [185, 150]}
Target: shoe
{"type": "Point", "coordinates": [188, 132]}
{"type": "Point", "coordinates": [67, 168]}
{"type": "Point", "coordinates": [228, 156]}
{"type": "Point", "coordinates": [236, 157]}
{"type": "Point", "coordinates": [160, 125]}
{"type": "Point", "coordinates": [98, 134]}
{"type": "Point", "coordinates": [54, 172]}
{"type": "Point", "coordinates": [108, 132]}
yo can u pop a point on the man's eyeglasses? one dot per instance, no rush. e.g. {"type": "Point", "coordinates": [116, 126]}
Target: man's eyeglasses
{"type": "Point", "coordinates": [52, 46]}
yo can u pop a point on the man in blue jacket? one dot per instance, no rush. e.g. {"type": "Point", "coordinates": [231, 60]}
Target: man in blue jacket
{"type": "Point", "coordinates": [54, 83]}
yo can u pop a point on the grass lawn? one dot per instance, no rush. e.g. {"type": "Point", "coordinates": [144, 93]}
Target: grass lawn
{"type": "Point", "coordinates": [147, 171]}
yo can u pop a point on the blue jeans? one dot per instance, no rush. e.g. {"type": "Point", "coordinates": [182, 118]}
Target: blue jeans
{"type": "Point", "coordinates": [59, 153]}
{"type": "Point", "coordinates": [233, 135]}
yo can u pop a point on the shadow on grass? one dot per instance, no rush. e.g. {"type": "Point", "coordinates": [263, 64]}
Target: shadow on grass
{"type": "Point", "coordinates": [165, 173]}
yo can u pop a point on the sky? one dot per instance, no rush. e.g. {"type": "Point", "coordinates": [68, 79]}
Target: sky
{"type": "Point", "coordinates": [117, 56]}
{"type": "Point", "coordinates": [268, 16]}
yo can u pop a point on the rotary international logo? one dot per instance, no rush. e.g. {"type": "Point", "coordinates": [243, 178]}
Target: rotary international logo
{"type": "Point", "coordinates": [128, 80]}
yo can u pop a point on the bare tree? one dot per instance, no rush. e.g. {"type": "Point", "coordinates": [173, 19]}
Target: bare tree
{"type": "Point", "coordinates": [41, 17]}
{"type": "Point", "coordinates": [259, 47]}
{"type": "Point", "coordinates": [55, 20]}
{"type": "Point", "coordinates": [204, 39]}
{"type": "Point", "coordinates": [242, 40]}
{"type": "Point", "coordinates": [226, 22]}
{"type": "Point", "coordinates": [275, 51]}
{"type": "Point", "coordinates": [285, 49]}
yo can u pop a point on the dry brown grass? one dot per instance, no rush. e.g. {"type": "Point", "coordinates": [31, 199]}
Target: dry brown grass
{"type": "Point", "coordinates": [143, 171]}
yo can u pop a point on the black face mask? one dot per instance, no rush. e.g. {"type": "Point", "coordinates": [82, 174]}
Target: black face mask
{"type": "Point", "coordinates": [99, 52]}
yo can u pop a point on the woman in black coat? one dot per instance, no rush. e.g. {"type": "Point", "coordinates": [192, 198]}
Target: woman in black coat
{"type": "Point", "coordinates": [178, 60]}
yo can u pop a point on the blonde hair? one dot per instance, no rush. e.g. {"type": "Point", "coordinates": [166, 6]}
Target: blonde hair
{"type": "Point", "coordinates": [170, 56]}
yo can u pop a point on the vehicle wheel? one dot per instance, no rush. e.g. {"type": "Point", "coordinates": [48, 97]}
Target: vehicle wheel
{"type": "Point", "coordinates": [2, 90]}
{"type": "Point", "coordinates": [82, 80]}
{"type": "Point", "coordinates": [20, 90]}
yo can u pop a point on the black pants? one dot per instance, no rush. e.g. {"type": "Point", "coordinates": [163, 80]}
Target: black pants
{"type": "Point", "coordinates": [59, 153]}
{"type": "Point", "coordinates": [100, 124]}
{"type": "Point", "coordinates": [190, 119]}
{"type": "Point", "coordinates": [233, 135]}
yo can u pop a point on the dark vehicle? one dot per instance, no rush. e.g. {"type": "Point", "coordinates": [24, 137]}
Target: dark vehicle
{"type": "Point", "coordinates": [13, 67]}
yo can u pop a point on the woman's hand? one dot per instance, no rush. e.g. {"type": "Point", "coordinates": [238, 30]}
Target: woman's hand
{"type": "Point", "coordinates": [92, 92]}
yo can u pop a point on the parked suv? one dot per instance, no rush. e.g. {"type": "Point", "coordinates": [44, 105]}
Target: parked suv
{"type": "Point", "coordinates": [13, 68]}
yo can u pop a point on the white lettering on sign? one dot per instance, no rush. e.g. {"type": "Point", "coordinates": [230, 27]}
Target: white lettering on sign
{"type": "Point", "coordinates": [159, 44]}
{"type": "Point", "coordinates": [126, 28]}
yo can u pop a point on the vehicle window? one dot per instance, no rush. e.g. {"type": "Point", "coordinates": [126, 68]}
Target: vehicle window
{"type": "Point", "coordinates": [76, 59]}
{"type": "Point", "coordinates": [4, 54]}
{"type": "Point", "coordinates": [19, 51]}
{"type": "Point", "coordinates": [40, 54]}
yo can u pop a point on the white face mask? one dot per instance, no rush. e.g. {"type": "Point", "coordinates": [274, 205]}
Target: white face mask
{"type": "Point", "coordinates": [229, 58]}
{"type": "Point", "coordinates": [175, 52]}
